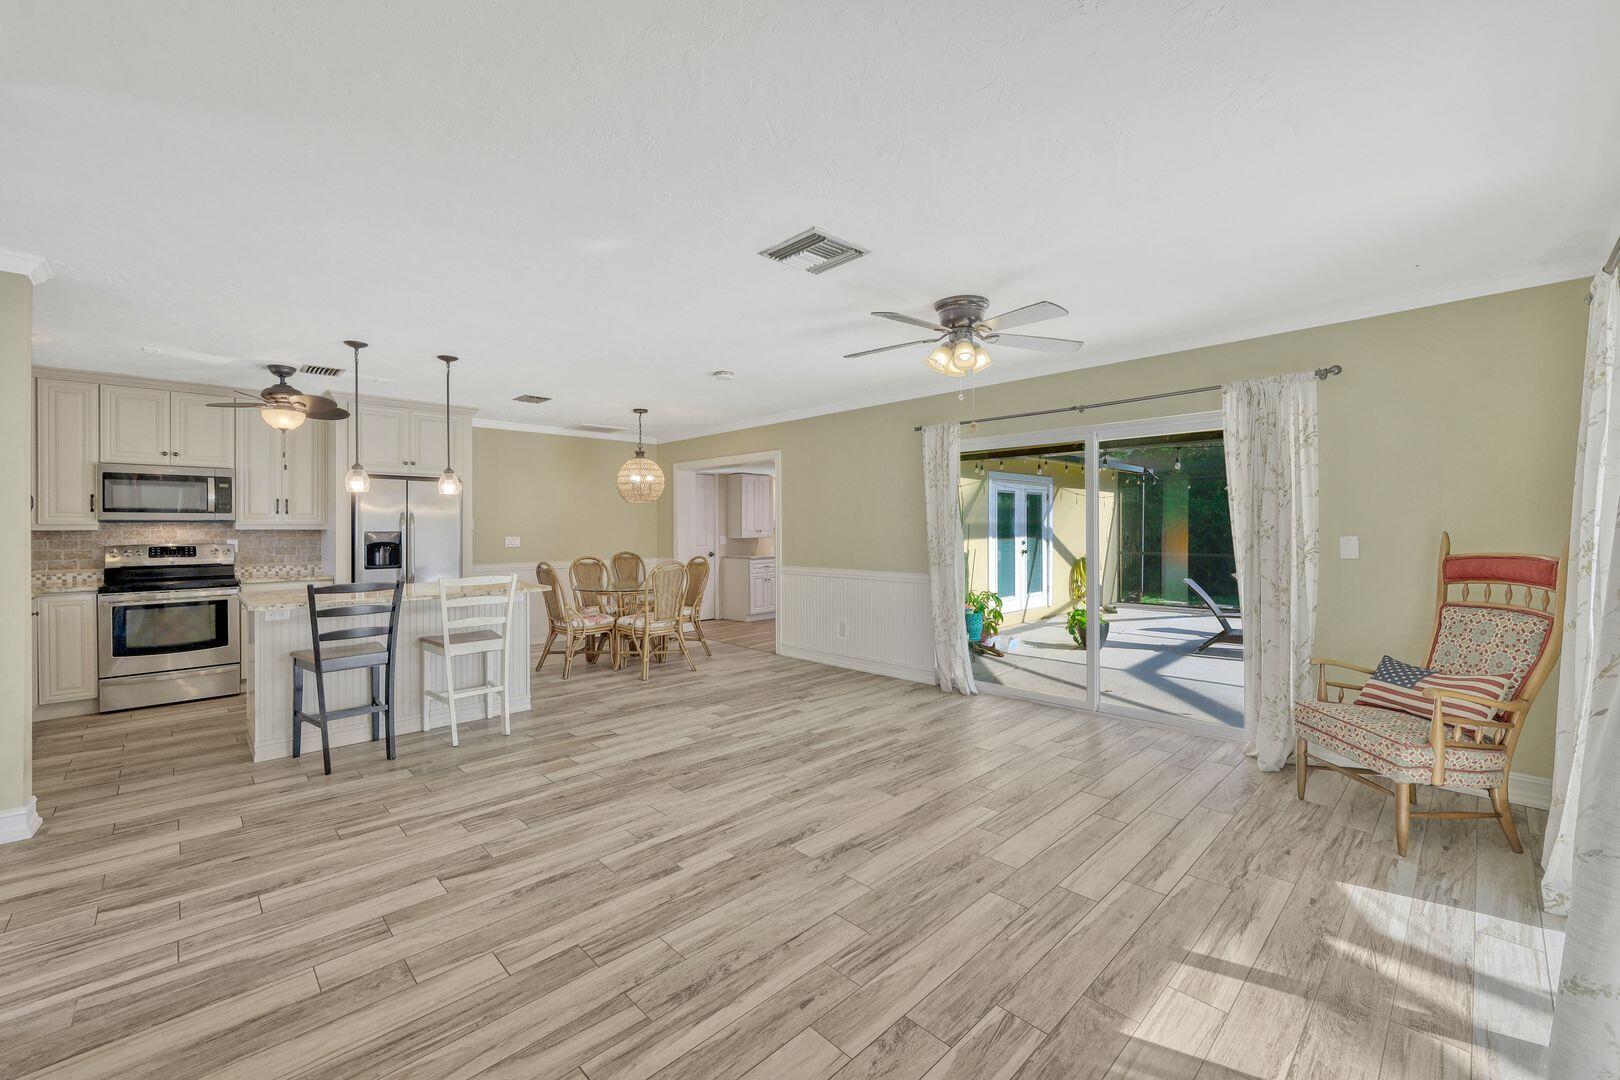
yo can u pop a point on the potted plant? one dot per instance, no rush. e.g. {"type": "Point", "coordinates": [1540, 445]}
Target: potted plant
{"type": "Point", "coordinates": [987, 605]}
{"type": "Point", "coordinates": [1077, 628]}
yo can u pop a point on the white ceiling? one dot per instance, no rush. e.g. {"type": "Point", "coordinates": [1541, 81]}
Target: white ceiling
{"type": "Point", "coordinates": [571, 195]}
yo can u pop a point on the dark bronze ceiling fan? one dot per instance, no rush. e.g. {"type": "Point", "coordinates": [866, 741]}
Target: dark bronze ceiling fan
{"type": "Point", "coordinates": [282, 402]}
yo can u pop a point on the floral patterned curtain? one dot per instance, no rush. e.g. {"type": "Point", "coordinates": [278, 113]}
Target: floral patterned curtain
{"type": "Point", "coordinates": [942, 467]}
{"type": "Point", "coordinates": [1582, 856]}
{"type": "Point", "coordinates": [1271, 457]}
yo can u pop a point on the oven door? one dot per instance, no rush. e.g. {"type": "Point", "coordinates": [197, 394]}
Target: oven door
{"type": "Point", "coordinates": [157, 493]}
{"type": "Point", "coordinates": [143, 633]}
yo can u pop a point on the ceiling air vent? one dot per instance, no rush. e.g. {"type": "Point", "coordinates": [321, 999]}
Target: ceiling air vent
{"type": "Point", "coordinates": [531, 399]}
{"type": "Point", "coordinates": [813, 250]}
{"type": "Point", "coordinates": [599, 429]}
{"type": "Point", "coordinates": [317, 369]}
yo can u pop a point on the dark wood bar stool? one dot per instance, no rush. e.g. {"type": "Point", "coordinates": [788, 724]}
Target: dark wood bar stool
{"type": "Point", "coordinates": [323, 659]}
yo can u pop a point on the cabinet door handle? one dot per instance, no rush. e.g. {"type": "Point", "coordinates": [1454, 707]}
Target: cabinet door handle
{"type": "Point", "coordinates": [92, 502]}
{"type": "Point", "coordinates": [278, 506]}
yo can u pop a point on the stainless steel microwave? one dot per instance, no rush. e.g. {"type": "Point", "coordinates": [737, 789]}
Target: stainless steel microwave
{"type": "Point", "coordinates": [164, 493]}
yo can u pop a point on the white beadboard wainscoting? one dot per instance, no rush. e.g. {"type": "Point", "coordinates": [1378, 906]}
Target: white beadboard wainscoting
{"type": "Point", "coordinates": [879, 621]}
{"type": "Point", "coordinates": [267, 674]}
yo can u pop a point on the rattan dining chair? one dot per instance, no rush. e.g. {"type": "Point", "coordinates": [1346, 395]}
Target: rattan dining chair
{"type": "Point", "coordinates": [628, 566]}
{"type": "Point", "coordinates": [586, 574]}
{"type": "Point", "coordinates": [659, 619]}
{"type": "Point", "coordinates": [697, 579]}
{"type": "Point", "coordinates": [575, 627]}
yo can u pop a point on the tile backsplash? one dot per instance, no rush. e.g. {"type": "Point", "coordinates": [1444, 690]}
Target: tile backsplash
{"type": "Point", "coordinates": [58, 552]}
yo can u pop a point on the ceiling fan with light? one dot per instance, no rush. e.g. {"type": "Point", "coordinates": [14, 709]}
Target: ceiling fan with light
{"type": "Point", "coordinates": [283, 407]}
{"type": "Point", "coordinates": [964, 332]}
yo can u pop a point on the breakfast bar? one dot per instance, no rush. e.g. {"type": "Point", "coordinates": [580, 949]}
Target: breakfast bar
{"type": "Point", "coordinates": [276, 622]}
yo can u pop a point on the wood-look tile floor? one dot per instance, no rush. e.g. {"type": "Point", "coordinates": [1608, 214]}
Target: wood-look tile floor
{"type": "Point", "coordinates": [760, 634]}
{"type": "Point", "coordinates": [768, 869]}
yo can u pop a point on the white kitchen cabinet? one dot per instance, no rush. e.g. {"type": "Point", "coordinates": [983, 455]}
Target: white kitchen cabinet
{"type": "Point", "coordinates": [282, 478]}
{"type": "Point", "coordinates": [203, 436]}
{"type": "Point", "coordinates": [64, 647]}
{"type": "Point", "coordinates": [747, 587]}
{"type": "Point", "coordinates": [427, 442]}
{"type": "Point", "coordinates": [66, 450]}
{"type": "Point", "coordinates": [143, 425]}
{"type": "Point", "coordinates": [135, 425]}
{"type": "Point", "coordinates": [385, 435]}
{"type": "Point", "coordinates": [750, 508]}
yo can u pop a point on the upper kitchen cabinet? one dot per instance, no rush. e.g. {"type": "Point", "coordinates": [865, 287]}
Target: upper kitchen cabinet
{"type": "Point", "coordinates": [750, 508]}
{"type": "Point", "coordinates": [66, 432]}
{"type": "Point", "coordinates": [282, 477]}
{"type": "Point", "coordinates": [142, 425]}
{"type": "Point", "coordinates": [403, 439]}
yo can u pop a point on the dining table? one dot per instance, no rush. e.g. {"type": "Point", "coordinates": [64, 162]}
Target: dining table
{"type": "Point", "coordinates": [619, 597]}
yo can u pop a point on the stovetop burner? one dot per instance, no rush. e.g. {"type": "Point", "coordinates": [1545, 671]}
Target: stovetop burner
{"type": "Point", "coordinates": [135, 568]}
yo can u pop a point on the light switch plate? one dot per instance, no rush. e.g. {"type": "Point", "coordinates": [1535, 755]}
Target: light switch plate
{"type": "Point", "coordinates": [1349, 547]}
{"type": "Point", "coordinates": [514, 541]}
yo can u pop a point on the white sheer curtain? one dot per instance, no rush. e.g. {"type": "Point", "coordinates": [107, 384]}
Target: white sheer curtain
{"type": "Point", "coordinates": [942, 469]}
{"type": "Point", "coordinates": [1271, 457]}
{"type": "Point", "coordinates": [1582, 856]}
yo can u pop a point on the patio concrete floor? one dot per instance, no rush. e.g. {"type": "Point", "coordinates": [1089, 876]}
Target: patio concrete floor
{"type": "Point", "coordinates": [1150, 660]}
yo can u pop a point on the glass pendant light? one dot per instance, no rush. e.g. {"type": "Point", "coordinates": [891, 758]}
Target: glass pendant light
{"type": "Point", "coordinates": [356, 481]}
{"type": "Point", "coordinates": [640, 480]}
{"type": "Point", "coordinates": [449, 482]}
{"type": "Point", "coordinates": [283, 419]}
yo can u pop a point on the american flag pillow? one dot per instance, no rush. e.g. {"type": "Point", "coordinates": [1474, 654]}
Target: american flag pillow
{"type": "Point", "coordinates": [1399, 686]}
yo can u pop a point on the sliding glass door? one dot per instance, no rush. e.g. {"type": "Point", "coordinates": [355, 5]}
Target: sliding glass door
{"type": "Point", "coordinates": [1099, 551]}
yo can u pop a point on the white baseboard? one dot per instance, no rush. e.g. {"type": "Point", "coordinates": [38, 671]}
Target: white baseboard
{"type": "Point", "coordinates": [876, 621]}
{"type": "Point", "coordinates": [19, 822]}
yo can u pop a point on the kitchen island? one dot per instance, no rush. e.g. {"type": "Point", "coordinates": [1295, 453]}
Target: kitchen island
{"type": "Point", "coordinates": [276, 623]}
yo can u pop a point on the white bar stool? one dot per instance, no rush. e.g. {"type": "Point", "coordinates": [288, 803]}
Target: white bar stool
{"type": "Point", "coordinates": [470, 635]}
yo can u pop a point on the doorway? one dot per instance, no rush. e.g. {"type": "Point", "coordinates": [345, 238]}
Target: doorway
{"type": "Point", "coordinates": [728, 511]}
{"type": "Point", "coordinates": [1099, 546]}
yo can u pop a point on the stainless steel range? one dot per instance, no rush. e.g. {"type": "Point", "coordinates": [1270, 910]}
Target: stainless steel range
{"type": "Point", "coordinates": [168, 619]}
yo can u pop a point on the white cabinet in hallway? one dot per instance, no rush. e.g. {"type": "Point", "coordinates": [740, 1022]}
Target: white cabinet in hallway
{"type": "Point", "coordinates": [66, 450]}
{"type": "Point", "coordinates": [750, 508]}
{"type": "Point", "coordinates": [747, 587]}
{"type": "Point", "coordinates": [282, 478]}
{"type": "Point", "coordinates": [143, 425]}
{"type": "Point", "coordinates": [64, 647]}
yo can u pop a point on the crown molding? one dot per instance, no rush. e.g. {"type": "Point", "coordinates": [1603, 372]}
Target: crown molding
{"type": "Point", "coordinates": [32, 267]}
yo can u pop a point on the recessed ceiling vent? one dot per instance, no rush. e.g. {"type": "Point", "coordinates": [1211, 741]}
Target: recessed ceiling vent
{"type": "Point", "coordinates": [317, 369]}
{"type": "Point", "coordinates": [599, 429]}
{"type": "Point", "coordinates": [531, 399]}
{"type": "Point", "coordinates": [813, 250]}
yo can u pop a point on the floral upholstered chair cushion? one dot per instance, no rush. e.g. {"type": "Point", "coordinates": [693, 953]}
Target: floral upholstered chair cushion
{"type": "Point", "coordinates": [1394, 744]}
{"type": "Point", "coordinates": [1472, 639]}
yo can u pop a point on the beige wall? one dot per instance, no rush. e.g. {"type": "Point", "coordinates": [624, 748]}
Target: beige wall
{"type": "Point", "coordinates": [555, 492]}
{"type": "Point", "coordinates": [16, 622]}
{"type": "Point", "coordinates": [1458, 417]}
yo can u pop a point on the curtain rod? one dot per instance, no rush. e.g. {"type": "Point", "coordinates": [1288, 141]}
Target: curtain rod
{"type": "Point", "coordinates": [1613, 265]}
{"type": "Point", "coordinates": [1320, 373]}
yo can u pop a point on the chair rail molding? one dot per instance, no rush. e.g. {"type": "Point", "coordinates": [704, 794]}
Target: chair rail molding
{"type": "Point", "coordinates": [33, 267]}
{"type": "Point", "coordinates": [877, 621]}
{"type": "Point", "coordinates": [20, 822]}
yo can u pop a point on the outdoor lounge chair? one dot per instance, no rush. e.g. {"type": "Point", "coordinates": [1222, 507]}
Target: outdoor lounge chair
{"type": "Point", "coordinates": [1226, 634]}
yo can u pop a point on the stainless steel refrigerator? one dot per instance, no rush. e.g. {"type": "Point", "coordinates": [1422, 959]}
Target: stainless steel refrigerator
{"type": "Point", "coordinates": [404, 527]}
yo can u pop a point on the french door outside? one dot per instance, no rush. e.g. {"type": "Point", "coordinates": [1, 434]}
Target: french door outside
{"type": "Point", "coordinates": [1020, 541]}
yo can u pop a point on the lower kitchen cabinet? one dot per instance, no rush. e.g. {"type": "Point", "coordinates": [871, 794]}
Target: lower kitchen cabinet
{"type": "Point", "coordinates": [747, 587]}
{"type": "Point", "coordinates": [64, 647]}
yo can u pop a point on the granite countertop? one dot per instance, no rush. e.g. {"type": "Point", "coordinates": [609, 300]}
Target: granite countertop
{"type": "Point", "coordinates": [269, 599]}
{"type": "Point", "coordinates": [70, 581]}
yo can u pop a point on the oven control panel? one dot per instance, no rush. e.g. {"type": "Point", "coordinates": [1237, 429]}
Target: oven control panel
{"type": "Point", "coordinates": [170, 554]}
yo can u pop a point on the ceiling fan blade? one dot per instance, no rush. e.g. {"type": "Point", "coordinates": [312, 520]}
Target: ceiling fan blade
{"type": "Point", "coordinates": [886, 348]}
{"type": "Point", "coordinates": [897, 317]}
{"type": "Point", "coordinates": [1029, 313]}
{"type": "Point", "coordinates": [236, 404]}
{"type": "Point", "coordinates": [1039, 344]}
{"type": "Point", "coordinates": [321, 407]}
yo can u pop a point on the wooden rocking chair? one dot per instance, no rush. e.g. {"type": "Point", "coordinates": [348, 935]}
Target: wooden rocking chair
{"type": "Point", "coordinates": [1495, 614]}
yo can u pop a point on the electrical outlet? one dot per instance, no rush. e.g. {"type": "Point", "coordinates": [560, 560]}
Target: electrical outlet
{"type": "Point", "coordinates": [514, 541]}
{"type": "Point", "coordinates": [843, 628]}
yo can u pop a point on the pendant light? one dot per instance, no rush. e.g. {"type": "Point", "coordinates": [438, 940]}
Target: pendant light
{"type": "Point", "coordinates": [356, 481]}
{"type": "Point", "coordinates": [449, 482]}
{"type": "Point", "coordinates": [640, 479]}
